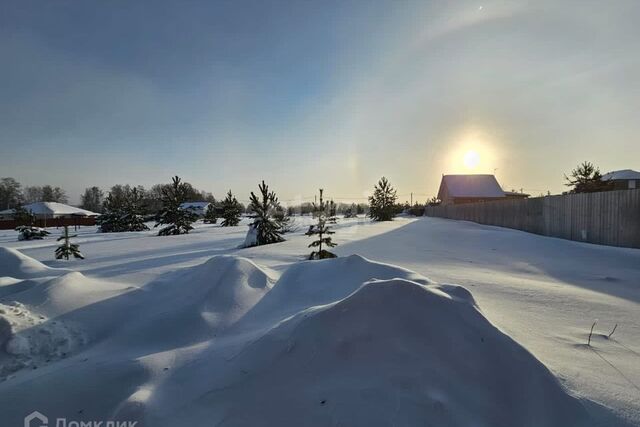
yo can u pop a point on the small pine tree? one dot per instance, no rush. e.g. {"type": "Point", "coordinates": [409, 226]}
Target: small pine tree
{"type": "Point", "coordinates": [350, 212]}
{"type": "Point", "coordinates": [111, 219]}
{"type": "Point", "coordinates": [382, 202]}
{"type": "Point", "coordinates": [284, 219]}
{"type": "Point", "coordinates": [176, 220]}
{"type": "Point", "coordinates": [29, 232]}
{"type": "Point", "coordinates": [110, 222]}
{"type": "Point", "coordinates": [134, 211]}
{"type": "Point", "coordinates": [360, 209]}
{"type": "Point", "coordinates": [332, 213]}
{"type": "Point", "coordinates": [417, 209]}
{"type": "Point", "coordinates": [123, 211]}
{"type": "Point", "coordinates": [434, 201]}
{"type": "Point", "coordinates": [211, 214]}
{"type": "Point", "coordinates": [26, 230]}
{"type": "Point", "coordinates": [586, 178]}
{"type": "Point", "coordinates": [67, 249]}
{"type": "Point", "coordinates": [322, 231]}
{"type": "Point", "coordinates": [266, 228]}
{"type": "Point", "coordinates": [231, 211]}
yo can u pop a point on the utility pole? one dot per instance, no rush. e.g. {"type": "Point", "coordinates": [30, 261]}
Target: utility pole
{"type": "Point", "coordinates": [412, 198]}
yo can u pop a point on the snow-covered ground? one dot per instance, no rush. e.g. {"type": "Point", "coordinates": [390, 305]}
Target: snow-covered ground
{"type": "Point", "coordinates": [164, 331]}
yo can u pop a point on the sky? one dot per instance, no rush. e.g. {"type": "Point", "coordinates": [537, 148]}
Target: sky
{"type": "Point", "coordinates": [309, 94]}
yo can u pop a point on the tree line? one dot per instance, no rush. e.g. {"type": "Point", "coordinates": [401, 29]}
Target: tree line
{"type": "Point", "coordinates": [124, 209]}
{"type": "Point", "coordinates": [12, 194]}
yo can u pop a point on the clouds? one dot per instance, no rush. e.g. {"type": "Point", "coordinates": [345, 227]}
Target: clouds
{"type": "Point", "coordinates": [335, 94]}
{"type": "Point", "coordinates": [54, 96]}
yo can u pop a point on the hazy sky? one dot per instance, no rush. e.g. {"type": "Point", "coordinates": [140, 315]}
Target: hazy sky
{"type": "Point", "coordinates": [316, 93]}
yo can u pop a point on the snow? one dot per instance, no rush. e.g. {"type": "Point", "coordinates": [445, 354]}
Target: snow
{"type": "Point", "coordinates": [251, 239]}
{"type": "Point", "coordinates": [192, 330]}
{"type": "Point", "coordinates": [14, 264]}
{"type": "Point", "coordinates": [53, 209]}
{"type": "Point", "coordinates": [197, 207]}
{"type": "Point", "coordinates": [621, 174]}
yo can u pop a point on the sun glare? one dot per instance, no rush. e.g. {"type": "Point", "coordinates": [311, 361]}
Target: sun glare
{"type": "Point", "coordinates": [471, 159]}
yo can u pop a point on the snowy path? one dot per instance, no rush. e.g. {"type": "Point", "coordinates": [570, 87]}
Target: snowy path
{"type": "Point", "coordinates": [543, 292]}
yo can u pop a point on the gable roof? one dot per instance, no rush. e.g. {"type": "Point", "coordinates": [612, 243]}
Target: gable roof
{"type": "Point", "coordinates": [621, 174]}
{"type": "Point", "coordinates": [194, 205]}
{"type": "Point", "coordinates": [52, 209]}
{"type": "Point", "coordinates": [470, 186]}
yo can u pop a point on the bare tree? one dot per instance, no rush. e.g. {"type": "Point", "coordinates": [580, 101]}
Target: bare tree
{"type": "Point", "coordinates": [10, 193]}
{"type": "Point", "coordinates": [92, 199]}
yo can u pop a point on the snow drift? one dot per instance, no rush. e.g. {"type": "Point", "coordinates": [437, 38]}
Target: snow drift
{"type": "Point", "coordinates": [17, 265]}
{"type": "Point", "coordinates": [343, 341]}
{"type": "Point", "coordinates": [393, 352]}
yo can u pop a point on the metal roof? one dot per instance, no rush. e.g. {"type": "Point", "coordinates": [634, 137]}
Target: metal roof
{"type": "Point", "coordinates": [471, 186]}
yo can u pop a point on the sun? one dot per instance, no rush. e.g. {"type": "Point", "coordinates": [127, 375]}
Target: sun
{"type": "Point", "coordinates": [471, 159]}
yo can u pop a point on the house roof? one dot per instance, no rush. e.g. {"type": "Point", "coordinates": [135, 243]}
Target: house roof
{"type": "Point", "coordinates": [194, 205]}
{"type": "Point", "coordinates": [52, 209]}
{"type": "Point", "coordinates": [621, 174]}
{"type": "Point", "coordinates": [470, 186]}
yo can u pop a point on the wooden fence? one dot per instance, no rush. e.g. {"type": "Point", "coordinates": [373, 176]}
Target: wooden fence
{"type": "Point", "coordinates": [606, 218]}
{"type": "Point", "coordinates": [51, 222]}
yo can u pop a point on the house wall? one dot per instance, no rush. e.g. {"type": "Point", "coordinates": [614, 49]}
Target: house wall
{"type": "Point", "coordinates": [607, 218]}
{"type": "Point", "coordinates": [464, 200]}
{"type": "Point", "coordinates": [626, 184]}
{"type": "Point", "coordinates": [446, 199]}
{"type": "Point", "coordinates": [51, 222]}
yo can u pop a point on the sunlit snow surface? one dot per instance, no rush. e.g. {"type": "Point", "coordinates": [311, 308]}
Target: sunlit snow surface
{"type": "Point", "coordinates": [191, 330]}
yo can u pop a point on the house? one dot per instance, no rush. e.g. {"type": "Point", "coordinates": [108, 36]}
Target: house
{"type": "Point", "coordinates": [457, 189]}
{"type": "Point", "coordinates": [516, 195]}
{"type": "Point", "coordinates": [50, 210]}
{"type": "Point", "coordinates": [625, 179]}
{"type": "Point", "coordinates": [199, 208]}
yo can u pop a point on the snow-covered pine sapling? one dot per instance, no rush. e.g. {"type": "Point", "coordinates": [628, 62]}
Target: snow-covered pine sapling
{"type": "Point", "coordinates": [382, 202]}
{"type": "Point", "coordinates": [29, 232]}
{"type": "Point", "coordinates": [123, 210]}
{"type": "Point", "coordinates": [134, 210]}
{"type": "Point", "coordinates": [231, 211]}
{"type": "Point", "coordinates": [211, 214]}
{"type": "Point", "coordinates": [26, 230]}
{"type": "Point", "coordinates": [112, 218]}
{"type": "Point", "coordinates": [322, 231]}
{"type": "Point", "coordinates": [591, 332]}
{"type": "Point", "coordinates": [67, 249]}
{"type": "Point", "coordinates": [175, 219]}
{"type": "Point", "coordinates": [350, 212]}
{"type": "Point", "coordinates": [266, 228]}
